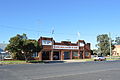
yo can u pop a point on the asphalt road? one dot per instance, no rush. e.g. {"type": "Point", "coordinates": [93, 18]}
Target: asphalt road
{"type": "Point", "coordinates": [103, 70]}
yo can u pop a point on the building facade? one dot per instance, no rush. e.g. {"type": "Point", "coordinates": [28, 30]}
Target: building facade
{"type": "Point", "coordinates": [116, 51]}
{"type": "Point", "coordinates": [52, 50]}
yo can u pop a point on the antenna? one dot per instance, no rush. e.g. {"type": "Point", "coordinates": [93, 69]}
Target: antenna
{"type": "Point", "coordinates": [52, 32]}
{"type": "Point", "coordinates": [68, 39]}
{"type": "Point", "coordinates": [78, 34]}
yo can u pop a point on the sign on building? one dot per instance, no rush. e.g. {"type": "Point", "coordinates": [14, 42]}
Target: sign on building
{"type": "Point", "coordinates": [82, 44]}
{"type": "Point", "coordinates": [46, 42]}
{"type": "Point", "coordinates": [65, 47]}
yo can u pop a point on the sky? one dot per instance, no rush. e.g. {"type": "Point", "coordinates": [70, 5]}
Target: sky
{"type": "Point", "coordinates": [39, 18]}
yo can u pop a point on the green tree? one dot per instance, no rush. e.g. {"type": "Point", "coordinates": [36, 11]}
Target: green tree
{"type": "Point", "coordinates": [95, 51]}
{"type": "Point", "coordinates": [21, 47]}
{"type": "Point", "coordinates": [117, 40]}
{"type": "Point", "coordinates": [103, 44]}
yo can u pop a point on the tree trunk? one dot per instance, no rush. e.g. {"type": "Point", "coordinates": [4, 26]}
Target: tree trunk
{"type": "Point", "coordinates": [26, 59]}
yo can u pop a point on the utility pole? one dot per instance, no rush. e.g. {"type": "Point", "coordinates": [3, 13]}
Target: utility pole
{"type": "Point", "coordinates": [51, 56]}
{"type": "Point", "coordinates": [110, 45]}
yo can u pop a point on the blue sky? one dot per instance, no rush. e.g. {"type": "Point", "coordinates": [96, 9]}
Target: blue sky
{"type": "Point", "coordinates": [67, 17]}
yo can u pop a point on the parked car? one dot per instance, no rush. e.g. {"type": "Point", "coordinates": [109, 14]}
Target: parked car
{"type": "Point", "coordinates": [8, 57]}
{"type": "Point", "coordinates": [99, 58]}
{"type": "Point", "coordinates": [5, 55]}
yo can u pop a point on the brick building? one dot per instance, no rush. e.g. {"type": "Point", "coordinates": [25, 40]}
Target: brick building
{"type": "Point", "coordinates": [52, 50]}
{"type": "Point", "coordinates": [116, 51]}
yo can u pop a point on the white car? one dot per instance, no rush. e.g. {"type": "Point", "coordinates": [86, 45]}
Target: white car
{"type": "Point", "coordinates": [8, 57]}
{"type": "Point", "coordinates": [99, 58]}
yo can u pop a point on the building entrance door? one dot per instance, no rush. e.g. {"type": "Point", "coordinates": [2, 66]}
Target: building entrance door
{"type": "Point", "coordinates": [81, 54]}
{"type": "Point", "coordinates": [45, 55]}
{"type": "Point", "coordinates": [56, 55]}
{"type": "Point", "coordinates": [66, 55]}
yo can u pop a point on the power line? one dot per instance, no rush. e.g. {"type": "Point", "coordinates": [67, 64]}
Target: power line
{"type": "Point", "coordinates": [41, 31]}
{"type": "Point", "coordinates": [16, 28]}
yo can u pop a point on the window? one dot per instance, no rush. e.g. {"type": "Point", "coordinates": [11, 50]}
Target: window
{"type": "Point", "coordinates": [75, 53]}
{"type": "Point", "coordinates": [86, 53]}
{"type": "Point", "coordinates": [35, 54]}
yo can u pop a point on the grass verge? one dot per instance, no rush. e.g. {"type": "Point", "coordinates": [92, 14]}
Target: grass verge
{"type": "Point", "coordinates": [19, 62]}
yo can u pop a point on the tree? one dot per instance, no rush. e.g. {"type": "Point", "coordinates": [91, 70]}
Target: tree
{"type": "Point", "coordinates": [94, 52]}
{"type": "Point", "coordinates": [21, 47]}
{"type": "Point", "coordinates": [103, 44]}
{"type": "Point", "coordinates": [117, 40]}
{"type": "Point", "coordinates": [29, 47]}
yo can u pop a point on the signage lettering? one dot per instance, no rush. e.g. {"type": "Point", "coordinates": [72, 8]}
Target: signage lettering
{"type": "Point", "coordinates": [65, 47]}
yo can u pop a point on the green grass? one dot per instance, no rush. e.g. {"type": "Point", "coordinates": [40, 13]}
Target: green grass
{"type": "Point", "coordinates": [35, 61]}
{"type": "Point", "coordinates": [89, 59]}
{"type": "Point", "coordinates": [115, 56]}
{"type": "Point", "coordinates": [12, 61]}
{"type": "Point", "coordinates": [113, 59]}
{"type": "Point", "coordinates": [85, 59]}
{"type": "Point", "coordinates": [19, 62]}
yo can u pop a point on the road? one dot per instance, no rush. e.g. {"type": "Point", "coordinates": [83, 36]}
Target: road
{"type": "Point", "coordinates": [104, 70]}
